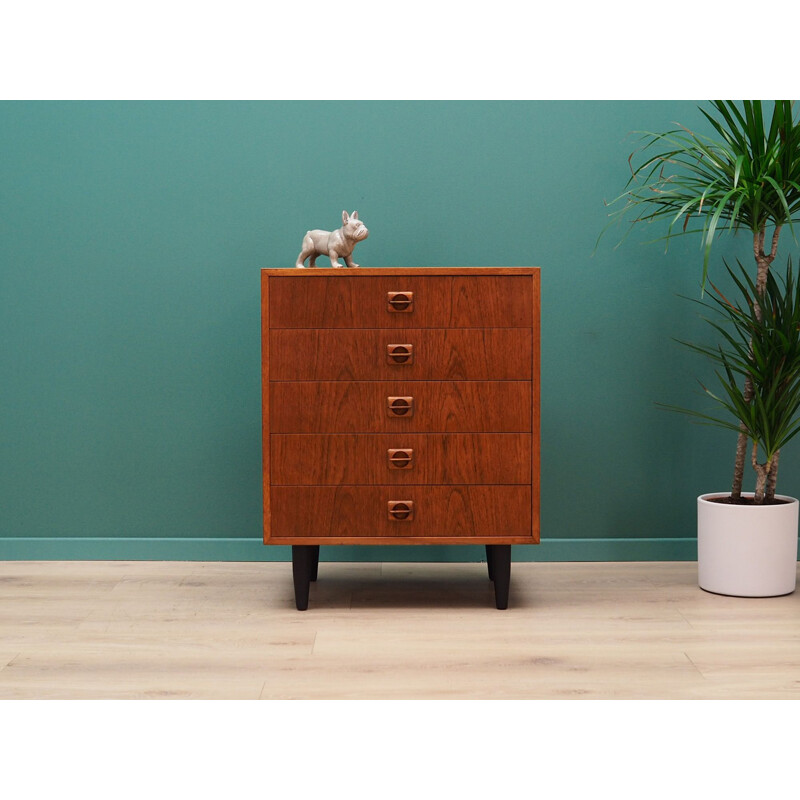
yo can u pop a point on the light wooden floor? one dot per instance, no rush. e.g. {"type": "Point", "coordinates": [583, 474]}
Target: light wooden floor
{"type": "Point", "coordinates": [387, 631]}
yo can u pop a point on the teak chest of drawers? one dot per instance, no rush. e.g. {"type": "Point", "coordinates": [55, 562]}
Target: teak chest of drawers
{"type": "Point", "coordinates": [400, 406]}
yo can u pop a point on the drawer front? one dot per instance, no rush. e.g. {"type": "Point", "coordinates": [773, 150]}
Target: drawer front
{"type": "Point", "coordinates": [433, 407]}
{"type": "Point", "coordinates": [418, 354]}
{"type": "Point", "coordinates": [416, 301]}
{"type": "Point", "coordinates": [400, 459]}
{"type": "Point", "coordinates": [430, 511]}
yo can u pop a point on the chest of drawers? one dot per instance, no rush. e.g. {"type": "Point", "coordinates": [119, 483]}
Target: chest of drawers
{"type": "Point", "coordinates": [400, 406]}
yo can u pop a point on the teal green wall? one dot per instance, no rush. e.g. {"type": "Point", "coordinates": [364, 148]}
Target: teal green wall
{"type": "Point", "coordinates": [131, 238]}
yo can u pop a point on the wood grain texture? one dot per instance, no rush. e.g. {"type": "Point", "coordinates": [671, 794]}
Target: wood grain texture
{"type": "Point", "coordinates": [221, 630]}
{"type": "Point", "coordinates": [439, 407]}
{"type": "Point", "coordinates": [336, 301]}
{"type": "Point", "coordinates": [460, 354]}
{"type": "Point", "coordinates": [333, 459]}
{"type": "Point", "coordinates": [475, 337]}
{"type": "Point", "coordinates": [345, 512]}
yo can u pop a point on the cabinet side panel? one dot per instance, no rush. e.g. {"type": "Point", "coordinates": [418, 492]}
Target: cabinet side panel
{"type": "Point", "coordinates": [265, 450]}
{"type": "Point", "coordinates": [536, 405]}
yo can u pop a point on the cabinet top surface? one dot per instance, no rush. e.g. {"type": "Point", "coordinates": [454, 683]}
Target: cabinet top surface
{"type": "Point", "coordinates": [310, 272]}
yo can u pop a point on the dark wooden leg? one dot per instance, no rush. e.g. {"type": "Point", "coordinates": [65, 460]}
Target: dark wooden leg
{"type": "Point", "coordinates": [489, 564]}
{"type": "Point", "coordinates": [501, 569]}
{"type": "Point", "coordinates": [314, 561]}
{"type": "Point", "coordinates": [302, 566]}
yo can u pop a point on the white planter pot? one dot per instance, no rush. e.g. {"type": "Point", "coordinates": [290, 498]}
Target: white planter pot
{"type": "Point", "coordinates": [747, 551]}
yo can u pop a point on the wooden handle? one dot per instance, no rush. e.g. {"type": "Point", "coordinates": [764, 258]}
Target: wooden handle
{"type": "Point", "coordinates": [400, 406]}
{"type": "Point", "coordinates": [400, 353]}
{"type": "Point", "coordinates": [400, 458]}
{"type": "Point", "coordinates": [400, 301]}
{"type": "Point", "coordinates": [401, 510]}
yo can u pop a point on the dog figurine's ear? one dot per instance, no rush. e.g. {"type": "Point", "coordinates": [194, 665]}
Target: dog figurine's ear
{"type": "Point", "coordinates": [354, 215]}
{"type": "Point", "coordinates": [345, 218]}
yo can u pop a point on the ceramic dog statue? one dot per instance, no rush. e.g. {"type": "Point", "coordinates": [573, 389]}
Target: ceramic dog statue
{"type": "Point", "coordinates": [333, 243]}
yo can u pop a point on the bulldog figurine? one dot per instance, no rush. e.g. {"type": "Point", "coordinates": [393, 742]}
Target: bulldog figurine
{"type": "Point", "coordinates": [333, 243]}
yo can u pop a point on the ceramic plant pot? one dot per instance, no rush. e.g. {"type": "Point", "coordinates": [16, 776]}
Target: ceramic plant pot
{"type": "Point", "coordinates": [747, 551]}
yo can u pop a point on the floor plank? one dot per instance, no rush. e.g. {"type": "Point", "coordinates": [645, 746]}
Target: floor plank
{"type": "Point", "coordinates": [223, 630]}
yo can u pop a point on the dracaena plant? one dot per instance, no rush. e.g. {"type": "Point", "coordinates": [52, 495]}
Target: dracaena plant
{"type": "Point", "coordinates": [759, 336]}
{"type": "Point", "coordinates": [745, 176]}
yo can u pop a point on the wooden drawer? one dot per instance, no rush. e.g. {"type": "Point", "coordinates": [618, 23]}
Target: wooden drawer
{"type": "Point", "coordinates": [400, 458]}
{"type": "Point", "coordinates": [414, 354]}
{"type": "Point", "coordinates": [438, 407]}
{"type": "Point", "coordinates": [354, 299]}
{"type": "Point", "coordinates": [439, 512]}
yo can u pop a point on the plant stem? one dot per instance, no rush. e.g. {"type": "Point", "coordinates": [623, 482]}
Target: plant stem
{"type": "Point", "coordinates": [741, 447]}
{"type": "Point", "coordinates": [763, 263]}
{"type": "Point", "coordinates": [772, 479]}
{"type": "Point", "coordinates": [762, 471]}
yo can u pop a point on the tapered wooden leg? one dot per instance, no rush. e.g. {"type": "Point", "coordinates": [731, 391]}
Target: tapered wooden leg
{"type": "Point", "coordinates": [489, 564]}
{"type": "Point", "coordinates": [314, 561]}
{"type": "Point", "coordinates": [302, 565]}
{"type": "Point", "coordinates": [501, 570]}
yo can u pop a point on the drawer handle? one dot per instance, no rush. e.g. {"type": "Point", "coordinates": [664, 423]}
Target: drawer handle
{"type": "Point", "coordinates": [400, 301]}
{"type": "Point", "coordinates": [400, 406]}
{"type": "Point", "coordinates": [401, 459]}
{"type": "Point", "coordinates": [401, 510]}
{"type": "Point", "coordinates": [400, 353]}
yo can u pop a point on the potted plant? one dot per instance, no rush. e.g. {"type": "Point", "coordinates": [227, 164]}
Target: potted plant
{"type": "Point", "coordinates": [747, 177]}
{"type": "Point", "coordinates": [747, 546]}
